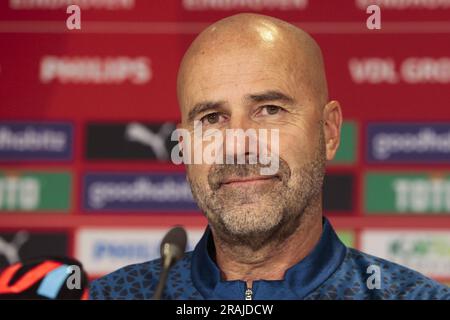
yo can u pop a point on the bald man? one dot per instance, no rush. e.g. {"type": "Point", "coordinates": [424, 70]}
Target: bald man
{"type": "Point", "coordinates": [266, 237]}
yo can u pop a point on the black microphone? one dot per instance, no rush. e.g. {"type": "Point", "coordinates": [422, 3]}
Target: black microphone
{"type": "Point", "coordinates": [173, 246]}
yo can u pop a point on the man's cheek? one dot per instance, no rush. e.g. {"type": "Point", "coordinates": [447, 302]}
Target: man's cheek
{"type": "Point", "coordinates": [292, 152]}
{"type": "Point", "coordinates": [298, 148]}
{"type": "Point", "coordinates": [198, 173]}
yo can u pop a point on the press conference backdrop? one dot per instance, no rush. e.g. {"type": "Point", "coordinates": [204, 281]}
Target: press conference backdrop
{"type": "Point", "coordinates": [86, 117]}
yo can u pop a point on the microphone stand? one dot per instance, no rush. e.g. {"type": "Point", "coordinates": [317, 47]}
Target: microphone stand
{"type": "Point", "coordinates": [168, 259]}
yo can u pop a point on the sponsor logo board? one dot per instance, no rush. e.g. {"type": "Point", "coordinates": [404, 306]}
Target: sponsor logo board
{"type": "Point", "coordinates": [22, 190]}
{"type": "Point", "coordinates": [411, 143]}
{"type": "Point", "coordinates": [105, 250]}
{"type": "Point", "coordinates": [150, 192]}
{"type": "Point", "coordinates": [425, 251]}
{"type": "Point", "coordinates": [131, 141]}
{"type": "Point", "coordinates": [30, 141]}
{"type": "Point", "coordinates": [338, 192]}
{"type": "Point", "coordinates": [399, 192]}
{"type": "Point", "coordinates": [24, 245]}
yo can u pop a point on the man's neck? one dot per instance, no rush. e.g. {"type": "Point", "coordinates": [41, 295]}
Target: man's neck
{"type": "Point", "coordinates": [271, 261]}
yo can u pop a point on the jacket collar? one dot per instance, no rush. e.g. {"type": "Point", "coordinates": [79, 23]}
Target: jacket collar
{"type": "Point", "coordinates": [300, 280]}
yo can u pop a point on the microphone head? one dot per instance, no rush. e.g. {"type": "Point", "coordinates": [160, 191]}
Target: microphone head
{"type": "Point", "coordinates": [44, 278]}
{"type": "Point", "coordinates": [173, 244]}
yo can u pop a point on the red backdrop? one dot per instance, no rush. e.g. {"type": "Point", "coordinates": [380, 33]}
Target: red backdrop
{"type": "Point", "coordinates": [399, 74]}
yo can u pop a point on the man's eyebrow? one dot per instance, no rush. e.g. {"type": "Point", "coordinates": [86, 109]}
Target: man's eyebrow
{"type": "Point", "coordinates": [271, 95]}
{"type": "Point", "coordinates": [202, 107]}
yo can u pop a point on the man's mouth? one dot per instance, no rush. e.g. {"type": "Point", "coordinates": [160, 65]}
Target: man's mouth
{"type": "Point", "coordinates": [248, 181]}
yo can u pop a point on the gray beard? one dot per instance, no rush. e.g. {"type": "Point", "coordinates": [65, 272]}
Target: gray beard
{"type": "Point", "coordinates": [288, 204]}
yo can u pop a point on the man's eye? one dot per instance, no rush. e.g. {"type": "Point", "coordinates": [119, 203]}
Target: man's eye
{"type": "Point", "coordinates": [211, 118]}
{"type": "Point", "coordinates": [270, 110]}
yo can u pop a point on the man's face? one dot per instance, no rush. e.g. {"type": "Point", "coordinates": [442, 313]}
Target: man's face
{"type": "Point", "coordinates": [242, 90]}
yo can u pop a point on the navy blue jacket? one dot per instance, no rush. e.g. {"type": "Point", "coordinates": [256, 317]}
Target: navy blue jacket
{"type": "Point", "coordinates": [329, 271]}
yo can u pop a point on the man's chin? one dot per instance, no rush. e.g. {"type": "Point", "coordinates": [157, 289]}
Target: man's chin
{"type": "Point", "coordinates": [242, 235]}
{"type": "Point", "coordinates": [250, 219]}
{"type": "Point", "coordinates": [251, 208]}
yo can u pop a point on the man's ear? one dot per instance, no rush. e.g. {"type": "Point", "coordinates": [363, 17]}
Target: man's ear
{"type": "Point", "coordinates": [332, 117]}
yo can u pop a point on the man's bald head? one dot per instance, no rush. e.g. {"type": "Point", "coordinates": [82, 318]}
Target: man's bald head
{"type": "Point", "coordinates": [285, 46]}
{"type": "Point", "coordinates": [252, 72]}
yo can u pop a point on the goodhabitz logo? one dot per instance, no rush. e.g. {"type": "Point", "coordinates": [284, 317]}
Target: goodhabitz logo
{"type": "Point", "coordinates": [403, 142]}
{"type": "Point", "coordinates": [35, 141]}
{"type": "Point", "coordinates": [137, 191]}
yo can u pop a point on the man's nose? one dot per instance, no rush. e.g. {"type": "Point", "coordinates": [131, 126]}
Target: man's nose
{"type": "Point", "coordinates": [241, 139]}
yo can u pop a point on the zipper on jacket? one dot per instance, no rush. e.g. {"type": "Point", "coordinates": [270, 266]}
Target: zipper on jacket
{"type": "Point", "coordinates": [249, 294]}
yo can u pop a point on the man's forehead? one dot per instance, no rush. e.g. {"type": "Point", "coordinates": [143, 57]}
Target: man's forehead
{"type": "Point", "coordinates": [290, 62]}
{"type": "Point", "coordinates": [244, 60]}
{"type": "Point", "coordinates": [238, 69]}
{"type": "Point", "coordinates": [247, 63]}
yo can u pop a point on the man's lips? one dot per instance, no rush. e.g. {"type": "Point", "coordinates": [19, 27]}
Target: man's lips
{"type": "Point", "coordinates": [248, 180]}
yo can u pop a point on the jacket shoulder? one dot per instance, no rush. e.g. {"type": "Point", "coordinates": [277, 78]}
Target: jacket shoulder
{"type": "Point", "coordinates": [139, 281]}
{"type": "Point", "coordinates": [127, 282]}
{"type": "Point", "coordinates": [363, 276]}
